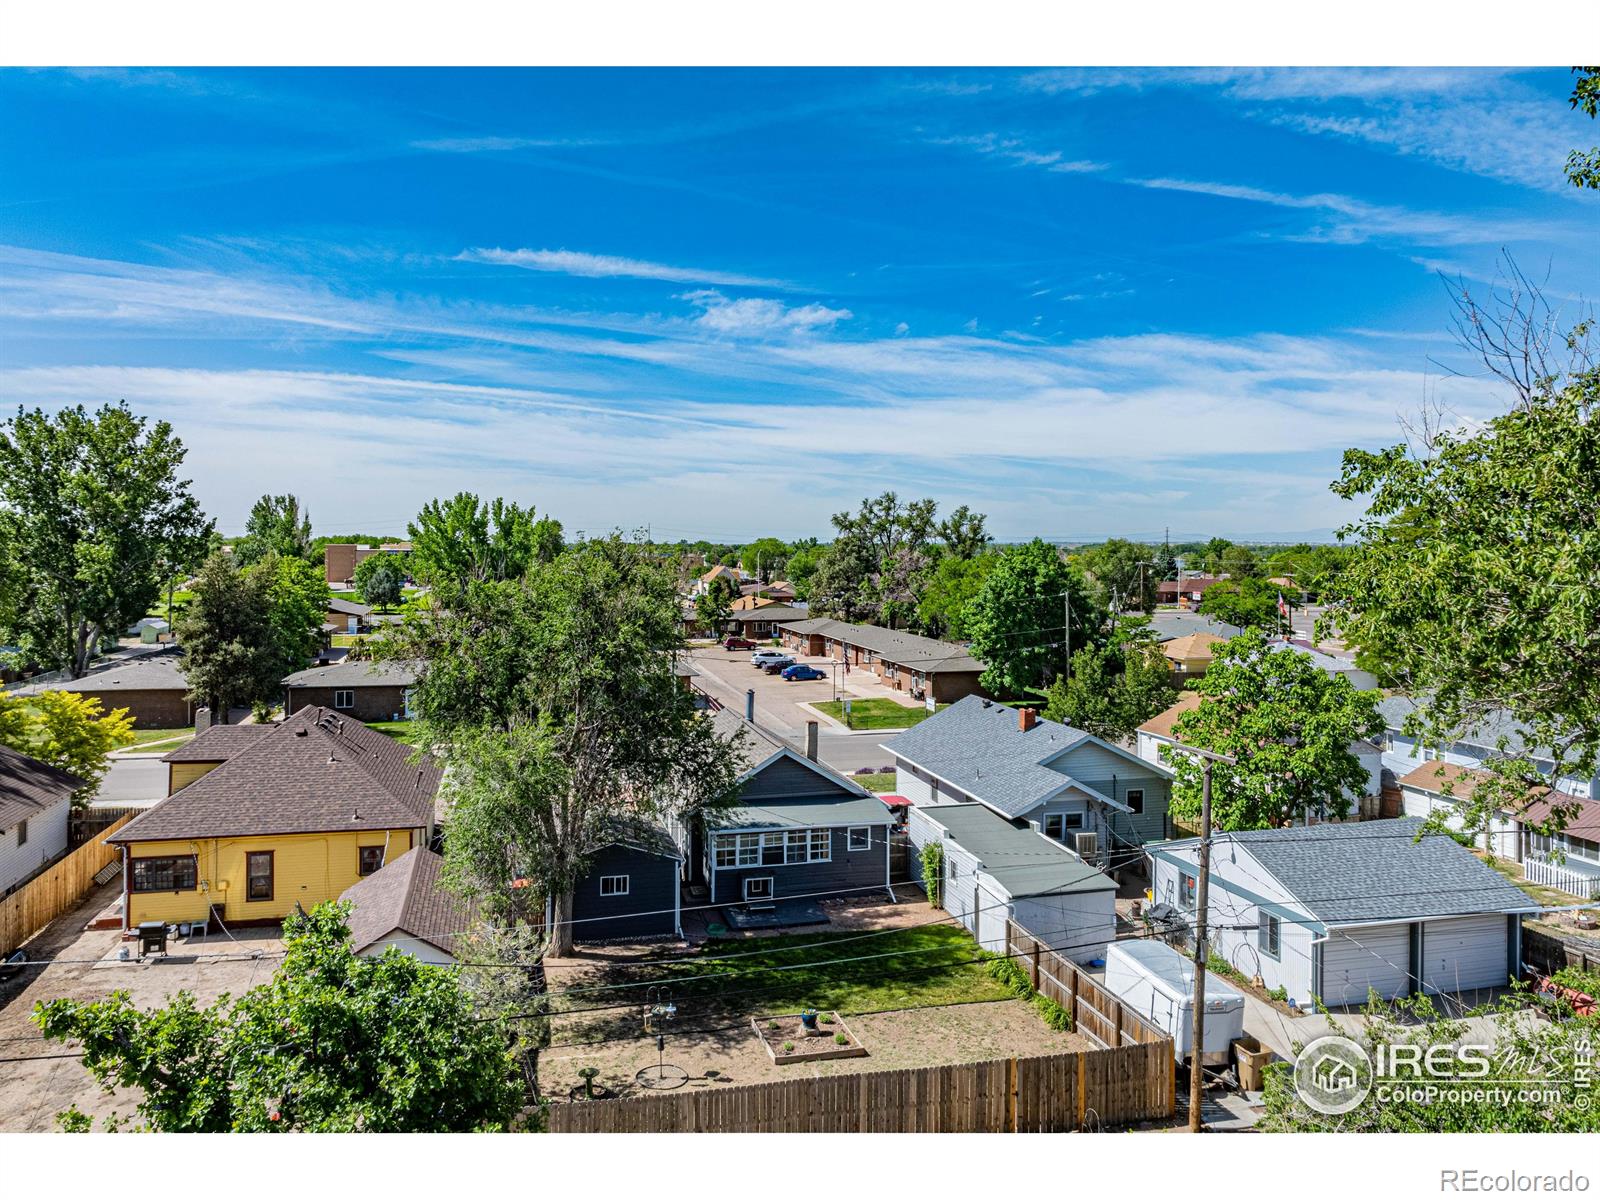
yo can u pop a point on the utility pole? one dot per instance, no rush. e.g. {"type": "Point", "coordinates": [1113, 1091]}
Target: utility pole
{"type": "Point", "coordinates": [1066, 631]}
{"type": "Point", "coordinates": [1202, 899]}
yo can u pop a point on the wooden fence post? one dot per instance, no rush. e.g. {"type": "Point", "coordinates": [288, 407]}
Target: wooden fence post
{"type": "Point", "coordinates": [1036, 966]}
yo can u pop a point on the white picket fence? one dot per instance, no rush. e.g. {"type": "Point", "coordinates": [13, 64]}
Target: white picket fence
{"type": "Point", "coordinates": [1550, 874]}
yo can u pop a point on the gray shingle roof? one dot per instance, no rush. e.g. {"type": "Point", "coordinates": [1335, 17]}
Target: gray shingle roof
{"type": "Point", "coordinates": [1169, 625]}
{"type": "Point", "coordinates": [218, 743]}
{"type": "Point", "coordinates": [156, 671]}
{"type": "Point", "coordinates": [927, 655]}
{"type": "Point", "coordinates": [1485, 735]}
{"type": "Point", "coordinates": [976, 745]}
{"type": "Point", "coordinates": [405, 896]}
{"type": "Point", "coordinates": [28, 787]}
{"type": "Point", "coordinates": [1022, 861]}
{"type": "Point", "coordinates": [354, 673]}
{"type": "Point", "coordinates": [769, 612]}
{"type": "Point", "coordinates": [317, 772]}
{"type": "Point", "coordinates": [348, 607]}
{"type": "Point", "coordinates": [1369, 871]}
{"type": "Point", "coordinates": [827, 806]}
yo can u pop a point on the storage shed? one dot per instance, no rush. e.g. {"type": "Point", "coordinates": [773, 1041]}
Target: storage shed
{"type": "Point", "coordinates": [995, 870]}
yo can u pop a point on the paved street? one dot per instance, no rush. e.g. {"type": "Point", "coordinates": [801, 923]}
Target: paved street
{"type": "Point", "coordinates": [134, 779]}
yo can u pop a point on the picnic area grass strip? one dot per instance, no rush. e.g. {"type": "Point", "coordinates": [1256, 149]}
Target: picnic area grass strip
{"type": "Point", "coordinates": [400, 731]}
{"type": "Point", "coordinates": [923, 966]}
{"type": "Point", "coordinates": [877, 713]}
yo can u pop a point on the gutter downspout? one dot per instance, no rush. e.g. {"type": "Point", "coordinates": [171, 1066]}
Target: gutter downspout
{"type": "Point", "coordinates": [677, 904]}
{"type": "Point", "coordinates": [127, 889]}
{"type": "Point", "coordinates": [1317, 943]}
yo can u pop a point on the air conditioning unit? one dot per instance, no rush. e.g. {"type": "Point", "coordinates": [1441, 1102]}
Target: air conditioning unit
{"type": "Point", "coordinates": [1087, 845]}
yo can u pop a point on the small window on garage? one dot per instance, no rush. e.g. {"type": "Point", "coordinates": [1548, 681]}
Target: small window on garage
{"type": "Point", "coordinates": [344, 699]}
{"type": "Point", "coordinates": [860, 837]}
{"type": "Point", "coordinates": [1269, 935]}
{"type": "Point", "coordinates": [1135, 800]}
{"type": "Point", "coordinates": [613, 885]}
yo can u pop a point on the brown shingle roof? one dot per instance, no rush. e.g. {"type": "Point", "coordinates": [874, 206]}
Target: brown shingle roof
{"type": "Point", "coordinates": [317, 772]}
{"type": "Point", "coordinates": [1161, 724]}
{"type": "Point", "coordinates": [1192, 645]}
{"type": "Point", "coordinates": [405, 896]}
{"type": "Point", "coordinates": [28, 787]}
{"type": "Point", "coordinates": [1432, 776]}
{"type": "Point", "coordinates": [217, 744]}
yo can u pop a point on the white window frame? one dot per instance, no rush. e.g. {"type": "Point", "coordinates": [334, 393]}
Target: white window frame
{"type": "Point", "coordinates": [759, 879]}
{"type": "Point", "coordinates": [865, 831]}
{"type": "Point", "coordinates": [349, 699]}
{"type": "Point", "coordinates": [1269, 936]}
{"type": "Point", "coordinates": [611, 880]}
{"type": "Point", "coordinates": [1059, 821]}
{"type": "Point", "coordinates": [775, 848]}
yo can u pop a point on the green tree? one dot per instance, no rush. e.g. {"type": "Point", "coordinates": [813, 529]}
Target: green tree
{"type": "Point", "coordinates": [765, 558]}
{"type": "Point", "coordinates": [942, 611]}
{"type": "Point", "coordinates": [91, 510]}
{"type": "Point", "coordinates": [714, 605]}
{"type": "Point", "coordinates": [802, 566]}
{"type": "Point", "coordinates": [334, 1043]}
{"type": "Point", "coordinates": [66, 730]}
{"type": "Point", "coordinates": [1113, 689]}
{"type": "Point", "coordinates": [964, 534]}
{"type": "Point", "coordinates": [276, 526]}
{"type": "Point", "coordinates": [1126, 572]}
{"type": "Point", "coordinates": [1210, 554]}
{"type": "Point", "coordinates": [1475, 569]}
{"type": "Point", "coordinates": [1239, 563]}
{"type": "Point", "coordinates": [842, 584]}
{"type": "Point", "coordinates": [553, 701]}
{"type": "Point", "coordinates": [463, 539]}
{"type": "Point", "coordinates": [1583, 167]}
{"type": "Point", "coordinates": [380, 580]}
{"type": "Point", "coordinates": [1015, 621]}
{"type": "Point", "coordinates": [1289, 724]}
{"type": "Point", "coordinates": [297, 605]}
{"type": "Point", "coordinates": [231, 653]}
{"type": "Point", "coordinates": [1245, 603]}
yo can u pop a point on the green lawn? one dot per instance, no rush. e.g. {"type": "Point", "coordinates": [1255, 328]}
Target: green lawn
{"type": "Point", "coordinates": [401, 731]}
{"type": "Point", "coordinates": [924, 966]}
{"type": "Point", "coordinates": [882, 781]}
{"type": "Point", "coordinates": [875, 714]}
{"type": "Point", "coordinates": [168, 739]}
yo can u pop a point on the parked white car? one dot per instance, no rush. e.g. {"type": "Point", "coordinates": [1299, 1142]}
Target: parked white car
{"type": "Point", "coordinates": [762, 658]}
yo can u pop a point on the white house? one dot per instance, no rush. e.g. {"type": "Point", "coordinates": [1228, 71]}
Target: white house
{"type": "Point", "coordinates": [995, 871]}
{"type": "Point", "coordinates": [403, 904]}
{"type": "Point", "coordinates": [1099, 799]}
{"type": "Point", "coordinates": [35, 804]}
{"type": "Point", "coordinates": [1331, 911]}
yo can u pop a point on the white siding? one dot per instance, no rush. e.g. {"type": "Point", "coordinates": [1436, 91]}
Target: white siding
{"type": "Point", "coordinates": [1080, 925]}
{"type": "Point", "coordinates": [1363, 957]}
{"type": "Point", "coordinates": [47, 840]}
{"type": "Point", "coordinates": [908, 785]}
{"type": "Point", "coordinates": [416, 947]}
{"type": "Point", "coordinates": [1503, 830]}
{"type": "Point", "coordinates": [1149, 748]}
{"type": "Point", "coordinates": [1463, 953]}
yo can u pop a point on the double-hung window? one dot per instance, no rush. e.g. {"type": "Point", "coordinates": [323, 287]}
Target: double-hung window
{"type": "Point", "coordinates": [258, 875]}
{"type": "Point", "coordinates": [1135, 800]}
{"type": "Point", "coordinates": [1269, 935]}
{"type": "Point", "coordinates": [22, 834]}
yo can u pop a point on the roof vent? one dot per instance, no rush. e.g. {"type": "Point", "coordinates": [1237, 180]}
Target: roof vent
{"type": "Point", "coordinates": [301, 732]}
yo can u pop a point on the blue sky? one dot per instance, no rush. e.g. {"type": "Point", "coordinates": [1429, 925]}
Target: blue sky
{"type": "Point", "coordinates": [727, 303]}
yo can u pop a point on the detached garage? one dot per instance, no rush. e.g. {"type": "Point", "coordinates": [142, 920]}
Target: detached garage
{"type": "Point", "coordinates": [995, 870]}
{"type": "Point", "coordinates": [1333, 912]}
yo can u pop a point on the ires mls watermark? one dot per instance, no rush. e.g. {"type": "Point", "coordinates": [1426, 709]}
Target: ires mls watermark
{"type": "Point", "coordinates": [1334, 1074]}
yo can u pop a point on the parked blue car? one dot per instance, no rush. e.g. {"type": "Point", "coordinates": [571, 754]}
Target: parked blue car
{"type": "Point", "coordinates": [803, 671]}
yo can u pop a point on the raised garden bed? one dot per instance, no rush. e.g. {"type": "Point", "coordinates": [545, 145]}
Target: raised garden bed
{"type": "Point", "coordinates": [787, 1040]}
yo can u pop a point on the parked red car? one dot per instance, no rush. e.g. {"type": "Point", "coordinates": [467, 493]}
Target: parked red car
{"type": "Point", "coordinates": [738, 643]}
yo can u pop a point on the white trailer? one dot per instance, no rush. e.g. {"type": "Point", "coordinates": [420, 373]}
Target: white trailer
{"type": "Point", "coordinates": [1157, 982]}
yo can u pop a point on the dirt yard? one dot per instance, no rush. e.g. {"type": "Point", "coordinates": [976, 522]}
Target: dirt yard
{"type": "Point", "coordinates": [923, 1037]}
{"type": "Point", "coordinates": [33, 1092]}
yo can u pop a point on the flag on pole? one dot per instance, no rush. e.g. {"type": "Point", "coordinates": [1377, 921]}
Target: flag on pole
{"type": "Point", "coordinates": [1283, 609]}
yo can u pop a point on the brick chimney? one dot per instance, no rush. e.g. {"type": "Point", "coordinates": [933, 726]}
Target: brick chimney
{"type": "Point", "coordinates": [1027, 718]}
{"type": "Point", "coordinates": [811, 740]}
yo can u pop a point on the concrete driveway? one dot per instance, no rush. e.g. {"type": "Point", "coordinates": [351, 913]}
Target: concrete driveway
{"type": "Point", "coordinates": [728, 675]}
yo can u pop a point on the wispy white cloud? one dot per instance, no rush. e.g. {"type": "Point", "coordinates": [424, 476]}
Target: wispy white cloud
{"type": "Point", "coordinates": [759, 317]}
{"type": "Point", "coordinates": [1013, 149]}
{"type": "Point", "coordinates": [607, 266]}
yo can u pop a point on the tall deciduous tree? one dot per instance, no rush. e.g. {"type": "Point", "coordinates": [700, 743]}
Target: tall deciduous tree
{"type": "Point", "coordinates": [714, 605]}
{"type": "Point", "coordinates": [764, 558]}
{"type": "Point", "coordinates": [277, 525]}
{"type": "Point", "coordinates": [231, 655]}
{"type": "Point", "coordinates": [1476, 573]}
{"type": "Point", "coordinates": [1245, 604]}
{"type": "Point", "coordinates": [334, 1043]}
{"type": "Point", "coordinates": [93, 512]}
{"type": "Point", "coordinates": [1289, 724]}
{"type": "Point", "coordinates": [964, 533]}
{"type": "Point", "coordinates": [1015, 622]}
{"type": "Point", "coordinates": [942, 611]}
{"type": "Point", "coordinates": [297, 598]}
{"type": "Point", "coordinates": [1583, 166]}
{"type": "Point", "coordinates": [66, 730]}
{"type": "Point", "coordinates": [554, 701]}
{"type": "Point", "coordinates": [1126, 572]}
{"type": "Point", "coordinates": [380, 580]}
{"type": "Point", "coordinates": [1113, 689]}
{"type": "Point", "coordinates": [463, 539]}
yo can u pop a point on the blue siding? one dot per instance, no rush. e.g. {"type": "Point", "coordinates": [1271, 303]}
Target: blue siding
{"type": "Point", "coordinates": [646, 911]}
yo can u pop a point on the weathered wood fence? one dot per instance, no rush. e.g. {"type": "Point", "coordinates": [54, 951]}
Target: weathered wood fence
{"type": "Point", "coordinates": [1548, 953]}
{"type": "Point", "coordinates": [1096, 1013]}
{"type": "Point", "coordinates": [1050, 1094]}
{"type": "Point", "coordinates": [43, 899]}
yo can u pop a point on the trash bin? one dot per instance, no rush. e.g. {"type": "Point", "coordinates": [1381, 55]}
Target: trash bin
{"type": "Point", "coordinates": [1252, 1058]}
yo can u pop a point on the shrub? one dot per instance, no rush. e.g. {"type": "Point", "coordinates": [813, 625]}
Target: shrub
{"type": "Point", "coordinates": [933, 872]}
{"type": "Point", "coordinates": [1280, 994]}
{"type": "Point", "coordinates": [1053, 1014]}
{"type": "Point", "coordinates": [1587, 982]}
{"type": "Point", "coordinates": [841, 1039]}
{"type": "Point", "coordinates": [1014, 979]}
{"type": "Point", "coordinates": [788, 1047]}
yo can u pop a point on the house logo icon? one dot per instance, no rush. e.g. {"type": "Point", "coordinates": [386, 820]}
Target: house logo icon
{"type": "Point", "coordinates": [1333, 1074]}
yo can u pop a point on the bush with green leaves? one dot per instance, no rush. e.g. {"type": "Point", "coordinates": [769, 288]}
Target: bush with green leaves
{"type": "Point", "coordinates": [933, 873]}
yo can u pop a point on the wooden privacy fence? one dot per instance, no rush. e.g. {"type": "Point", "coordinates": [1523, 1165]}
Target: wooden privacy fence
{"type": "Point", "coordinates": [1096, 1013]}
{"type": "Point", "coordinates": [43, 899]}
{"type": "Point", "coordinates": [1050, 1094]}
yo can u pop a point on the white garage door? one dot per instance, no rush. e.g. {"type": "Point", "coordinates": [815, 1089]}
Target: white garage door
{"type": "Point", "coordinates": [1415, 803]}
{"type": "Point", "coordinates": [1368, 956]}
{"type": "Point", "coordinates": [1463, 953]}
{"type": "Point", "coordinates": [991, 928]}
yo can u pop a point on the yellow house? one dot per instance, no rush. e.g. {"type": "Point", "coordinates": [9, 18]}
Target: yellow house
{"type": "Point", "coordinates": [255, 824]}
{"type": "Point", "coordinates": [1190, 655]}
